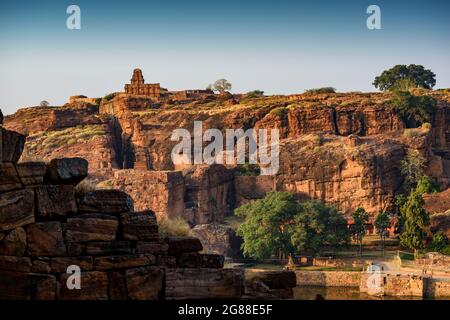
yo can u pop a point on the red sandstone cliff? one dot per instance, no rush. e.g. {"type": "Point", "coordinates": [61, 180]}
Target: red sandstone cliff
{"type": "Point", "coordinates": [341, 148]}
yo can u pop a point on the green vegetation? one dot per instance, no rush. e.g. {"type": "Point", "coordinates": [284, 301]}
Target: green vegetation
{"type": "Point", "coordinates": [416, 222]}
{"type": "Point", "coordinates": [402, 77]}
{"type": "Point", "coordinates": [280, 225]}
{"type": "Point", "coordinates": [44, 103]}
{"type": "Point", "coordinates": [280, 112]}
{"type": "Point", "coordinates": [382, 223]}
{"type": "Point", "coordinates": [173, 227]}
{"type": "Point", "coordinates": [220, 85]}
{"type": "Point", "coordinates": [426, 185]}
{"type": "Point", "coordinates": [417, 132]}
{"type": "Point", "coordinates": [321, 90]}
{"type": "Point", "coordinates": [414, 110]}
{"type": "Point", "coordinates": [109, 96]}
{"type": "Point", "coordinates": [255, 94]}
{"type": "Point", "coordinates": [66, 137]}
{"type": "Point", "coordinates": [358, 228]}
{"type": "Point", "coordinates": [412, 168]}
{"type": "Point", "coordinates": [247, 170]}
{"type": "Point", "coordinates": [439, 242]}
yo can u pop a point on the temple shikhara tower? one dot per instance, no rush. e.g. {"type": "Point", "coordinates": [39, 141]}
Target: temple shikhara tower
{"type": "Point", "coordinates": [139, 87]}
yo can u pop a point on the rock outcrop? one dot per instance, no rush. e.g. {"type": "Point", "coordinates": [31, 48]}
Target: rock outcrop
{"type": "Point", "coordinates": [342, 148]}
{"type": "Point", "coordinates": [47, 234]}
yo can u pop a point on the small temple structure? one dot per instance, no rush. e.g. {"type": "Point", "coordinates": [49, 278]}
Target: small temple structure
{"type": "Point", "coordinates": [139, 87]}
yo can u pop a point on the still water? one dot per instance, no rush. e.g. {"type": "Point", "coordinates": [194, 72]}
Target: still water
{"type": "Point", "coordinates": [339, 293]}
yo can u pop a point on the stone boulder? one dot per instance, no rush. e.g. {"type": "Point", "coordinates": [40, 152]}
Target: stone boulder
{"type": "Point", "coordinates": [94, 287]}
{"type": "Point", "coordinates": [16, 209]}
{"type": "Point", "coordinates": [99, 248]}
{"type": "Point", "coordinates": [197, 260]}
{"type": "Point", "coordinates": [106, 201]}
{"type": "Point", "coordinates": [91, 227]}
{"type": "Point", "coordinates": [179, 245]}
{"type": "Point", "coordinates": [14, 243]}
{"type": "Point", "coordinates": [27, 286]}
{"type": "Point", "coordinates": [262, 284]}
{"type": "Point", "coordinates": [12, 145]}
{"type": "Point", "coordinates": [144, 283]}
{"type": "Point", "coordinates": [67, 170]}
{"type": "Point", "coordinates": [219, 239]}
{"type": "Point", "coordinates": [46, 239]}
{"type": "Point", "coordinates": [31, 174]}
{"type": "Point", "coordinates": [140, 226]}
{"type": "Point", "coordinates": [55, 201]}
{"type": "Point", "coordinates": [203, 284]}
{"type": "Point", "coordinates": [9, 179]}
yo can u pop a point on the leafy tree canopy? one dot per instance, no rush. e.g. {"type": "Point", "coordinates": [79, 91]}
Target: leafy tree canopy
{"type": "Point", "coordinates": [416, 221]}
{"type": "Point", "coordinates": [280, 225]}
{"type": "Point", "coordinates": [414, 110]}
{"type": "Point", "coordinates": [220, 85]}
{"type": "Point", "coordinates": [401, 77]}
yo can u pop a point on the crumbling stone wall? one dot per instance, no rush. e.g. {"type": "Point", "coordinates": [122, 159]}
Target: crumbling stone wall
{"type": "Point", "coordinates": [328, 278]}
{"type": "Point", "coordinates": [45, 228]}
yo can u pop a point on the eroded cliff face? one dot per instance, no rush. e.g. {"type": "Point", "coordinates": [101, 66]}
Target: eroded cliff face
{"type": "Point", "coordinates": [342, 148]}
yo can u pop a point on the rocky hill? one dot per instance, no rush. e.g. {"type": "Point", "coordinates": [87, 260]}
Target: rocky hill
{"type": "Point", "coordinates": [342, 148]}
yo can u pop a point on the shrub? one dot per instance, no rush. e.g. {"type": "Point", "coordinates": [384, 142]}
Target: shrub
{"type": "Point", "coordinates": [406, 256]}
{"type": "Point", "coordinates": [173, 227]}
{"type": "Point", "coordinates": [321, 90]}
{"type": "Point", "coordinates": [446, 250]}
{"type": "Point", "coordinates": [109, 96]}
{"type": "Point", "coordinates": [439, 242]}
{"type": "Point", "coordinates": [247, 169]}
{"type": "Point", "coordinates": [255, 94]}
{"type": "Point", "coordinates": [85, 186]}
{"type": "Point", "coordinates": [280, 111]}
{"type": "Point", "coordinates": [412, 133]}
{"type": "Point", "coordinates": [105, 184]}
{"type": "Point", "coordinates": [414, 110]}
{"type": "Point", "coordinates": [426, 126]}
{"type": "Point", "coordinates": [426, 185]}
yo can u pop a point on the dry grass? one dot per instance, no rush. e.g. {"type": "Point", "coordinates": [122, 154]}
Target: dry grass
{"type": "Point", "coordinates": [173, 227]}
{"type": "Point", "coordinates": [85, 186]}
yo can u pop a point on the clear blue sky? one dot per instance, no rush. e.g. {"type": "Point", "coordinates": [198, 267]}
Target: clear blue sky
{"type": "Point", "coordinates": [276, 46]}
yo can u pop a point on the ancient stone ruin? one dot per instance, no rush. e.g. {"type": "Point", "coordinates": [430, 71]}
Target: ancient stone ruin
{"type": "Point", "coordinates": [139, 87]}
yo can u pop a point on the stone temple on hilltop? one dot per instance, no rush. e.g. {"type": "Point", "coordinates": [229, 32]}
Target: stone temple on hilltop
{"type": "Point", "coordinates": [139, 87]}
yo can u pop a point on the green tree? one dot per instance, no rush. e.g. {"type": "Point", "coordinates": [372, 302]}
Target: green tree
{"type": "Point", "coordinates": [220, 85]}
{"type": "Point", "coordinates": [426, 185]}
{"type": "Point", "coordinates": [416, 221]}
{"type": "Point", "coordinates": [264, 228]}
{"type": "Point", "coordinates": [412, 168]}
{"type": "Point", "coordinates": [279, 225]}
{"type": "Point", "coordinates": [440, 242]}
{"type": "Point", "coordinates": [358, 228]}
{"type": "Point", "coordinates": [317, 226]}
{"type": "Point", "coordinates": [393, 78]}
{"type": "Point", "coordinates": [382, 223]}
{"type": "Point", "coordinates": [414, 110]}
